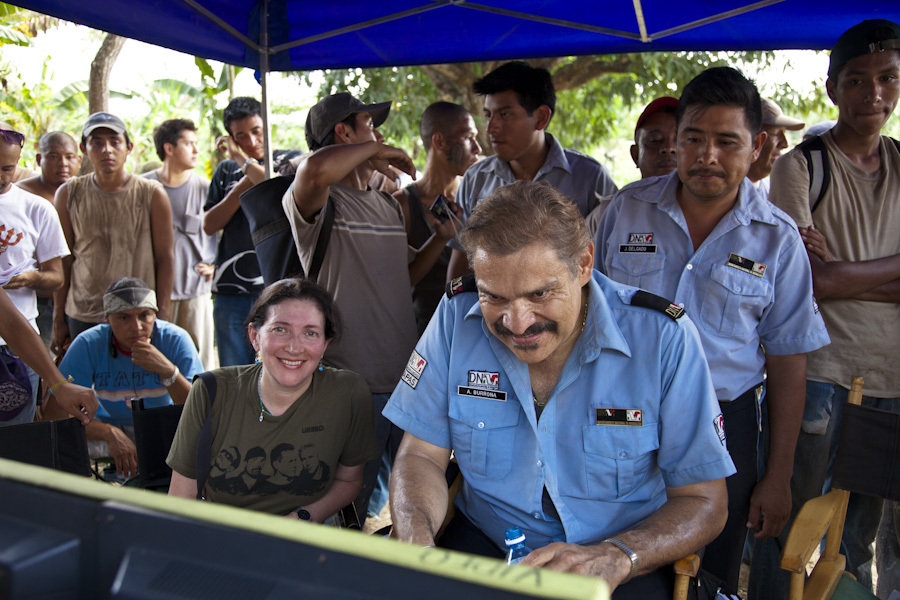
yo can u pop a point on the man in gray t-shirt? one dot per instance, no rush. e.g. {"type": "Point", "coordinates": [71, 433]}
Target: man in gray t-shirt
{"type": "Point", "coordinates": [195, 251]}
{"type": "Point", "coordinates": [368, 266]}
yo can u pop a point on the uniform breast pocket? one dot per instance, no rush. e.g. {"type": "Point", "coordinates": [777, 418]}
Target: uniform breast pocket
{"type": "Point", "coordinates": [483, 434]}
{"type": "Point", "coordinates": [618, 459]}
{"type": "Point", "coordinates": [638, 269]}
{"type": "Point", "coordinates": [734, 301]}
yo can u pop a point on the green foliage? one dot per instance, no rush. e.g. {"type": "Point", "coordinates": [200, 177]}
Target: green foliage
{"type": "Point", "coordinates": [38, 109]}
{"type": "Point", "coordinates": [409, 87]}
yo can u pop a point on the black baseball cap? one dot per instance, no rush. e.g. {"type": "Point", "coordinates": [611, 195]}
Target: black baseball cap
{"type": "Point", "coordinates": [867, 37]}
{"type": "Point", "coordinates": [331, 110]}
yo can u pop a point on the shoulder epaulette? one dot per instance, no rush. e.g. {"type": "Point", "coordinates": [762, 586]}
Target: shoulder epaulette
{"type": "Point", "coordinates": [648, 300]}
{"type": "Point", "coordinates": [466, 283]}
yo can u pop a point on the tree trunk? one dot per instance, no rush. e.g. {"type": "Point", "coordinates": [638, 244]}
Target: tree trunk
{"type": "Point", "coordinates": [98, 90]}
{"type": "Point", "coordinates": [101, 66]}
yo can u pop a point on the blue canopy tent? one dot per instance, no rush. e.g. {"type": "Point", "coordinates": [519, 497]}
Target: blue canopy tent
{"type": "Point", "coordinates": [318, 34]}
{"type": "Point", "coordinates": [280, 35]}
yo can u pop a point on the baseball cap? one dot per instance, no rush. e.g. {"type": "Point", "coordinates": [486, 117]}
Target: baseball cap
{"type": "Point", "coordinates": [867, 37]}
{"type": "Point", "coordinates": [331, 110]}
{"type": "Point", "coordinates": [102, 119]}
{"type": "Point", "coordinates": [772, 115]}
{"type": "Point", "coordinates": [663, 103]}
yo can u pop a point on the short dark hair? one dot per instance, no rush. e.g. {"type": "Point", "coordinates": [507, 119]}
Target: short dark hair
{"type": "Point", "coordinates": [277, 451]}
{"type": "Point", "coordinates": [533, 85]}
{"type": "Point", "coordinates": [440, 117]}
{"type": "Point", "coordinates": [524, 213]}
{"type": "Point", "coordinates": [239, 108]}
{"type": "Point", "coordinates": [168, 132]}
{"type": "Point", "coordinates": [328, 140]}
{"type": "Point", "coordinates": [722, 86]}
{"type": "Point", "coordinates": [296, 289]}
{"type": "Point", "coordinates": [55, 137]}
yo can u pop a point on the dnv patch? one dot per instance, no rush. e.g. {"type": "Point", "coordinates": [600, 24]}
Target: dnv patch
{"type": "Point", "coordinates": [719, 424]}
{"type": "Point", "coordinates": [414, 369]}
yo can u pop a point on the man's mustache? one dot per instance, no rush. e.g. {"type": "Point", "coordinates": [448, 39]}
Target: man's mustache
{"type": "Point", "coordinates": [501, 331]}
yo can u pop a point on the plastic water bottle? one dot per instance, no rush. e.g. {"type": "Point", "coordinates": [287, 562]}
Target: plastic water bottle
{"type": "Point", "coordinates": [515, 542]}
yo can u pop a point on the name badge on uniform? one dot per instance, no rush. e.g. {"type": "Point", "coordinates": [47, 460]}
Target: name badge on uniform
{"type": "Point", "coordinates": [632, 417]}
{"type": "Point", "coordinates": [639, 243]}
{"type": "Point", "coordinates": [482, 384]}
{"type": "Point", "coordinates": [746, 265]}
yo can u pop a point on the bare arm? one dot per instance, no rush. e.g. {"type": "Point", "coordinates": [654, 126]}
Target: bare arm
{"type": "Point", "coordinates": [459, 265]}
{"type": "Point", "coordinates": [74, 399]}
{"type": "Point", "coordinates": [181, 486]}
{"type": "Point", "coordinates": [47, 279]}
{"type": "Point", "coordinates": [418, 490]}
{"type": "Point", "coordinates": [877, 279]}
{"type": "Point", "coordinates": [326, 166]}
{"type": "Point", "coordinates": [218, 216]}
{"type": "Point", "coordinates": [162, 236]}
{"type": "Point", "coordinates": [691, 518]}
{"type": "Point", "coordinates": [344, 488]}
{"type": "Point", "coordinates": [770, 503]}
{"type": "Point", "coordinates": [148, 357]}
{"type": "Point", "coordinates": [60, 337]}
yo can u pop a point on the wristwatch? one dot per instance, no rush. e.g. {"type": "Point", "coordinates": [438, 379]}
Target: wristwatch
{"type": "Point", "coordinates": [171, 379]}
{"type": "Point", "coordinates": [244, 166]}
{"type": "Point", "coordinates": [303, 514]}
{"type": "Point", "coordinates": [632, 556]}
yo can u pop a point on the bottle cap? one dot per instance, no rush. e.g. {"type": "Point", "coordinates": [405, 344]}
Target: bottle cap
{"type": "Point", "coordinates": [514, 535]}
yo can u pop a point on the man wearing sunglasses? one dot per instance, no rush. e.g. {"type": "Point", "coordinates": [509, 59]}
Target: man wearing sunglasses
{"type": "Point", "coordinates": [31, 246]}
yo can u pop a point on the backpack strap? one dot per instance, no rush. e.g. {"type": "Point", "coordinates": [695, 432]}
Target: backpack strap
{"type": "Point", "coordinates": [204, 442]}
{"type": "Point", "coordinates": [322, 241]}
{"type": "Point", "coordinates": [818, 167]}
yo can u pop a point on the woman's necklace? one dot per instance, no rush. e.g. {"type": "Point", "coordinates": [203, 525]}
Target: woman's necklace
{"type": "Point", "coordinates": [262, 407]}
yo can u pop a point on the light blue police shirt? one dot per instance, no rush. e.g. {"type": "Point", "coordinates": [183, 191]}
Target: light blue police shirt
{"type": "Point", "coordinates": [748, 286]}
{"type": "Point", "coordinates": [577, 175]}
{"type": "Point", "coordinates": [633, 412]}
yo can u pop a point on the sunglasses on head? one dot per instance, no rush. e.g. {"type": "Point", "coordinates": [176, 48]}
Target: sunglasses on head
{"type": "Point", "coordinates": [12, 137]}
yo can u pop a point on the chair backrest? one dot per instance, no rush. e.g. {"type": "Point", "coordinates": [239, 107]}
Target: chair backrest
{"type": "Point", "coordinates": [154, 430]}
{"type": "Point", "coordinates": [868, 454]}
{"type": "Point", "coordinates": [60, 445]}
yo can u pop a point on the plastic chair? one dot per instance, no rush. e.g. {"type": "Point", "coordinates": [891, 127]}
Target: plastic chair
{"type": "Point", "coordinates": [868, 462]}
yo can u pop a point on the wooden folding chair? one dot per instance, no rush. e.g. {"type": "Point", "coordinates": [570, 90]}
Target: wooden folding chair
{"type": "Point", "coordinates": [867, 461]}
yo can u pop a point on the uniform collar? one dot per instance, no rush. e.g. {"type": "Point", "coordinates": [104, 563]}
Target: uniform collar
{"type": "Point", "coordinates": [556, 159]}
{"type": "Point", "coordinates": [750, 205]}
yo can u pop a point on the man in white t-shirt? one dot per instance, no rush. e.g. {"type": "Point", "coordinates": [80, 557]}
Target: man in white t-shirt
{"type": "Point", "coordinates": [32, 245]}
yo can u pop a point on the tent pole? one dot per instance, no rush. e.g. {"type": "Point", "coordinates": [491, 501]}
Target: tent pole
{"type": "Point", "coordinates": [263, 79]}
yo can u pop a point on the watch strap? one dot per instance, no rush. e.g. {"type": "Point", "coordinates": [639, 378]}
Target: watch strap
{"type": "Point", "coordinates": [632, 556]}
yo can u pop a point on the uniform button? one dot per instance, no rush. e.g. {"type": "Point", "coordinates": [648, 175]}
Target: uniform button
{"type": "Point", "coordinates": [480, 424]}
{"type": "Point", "coordinates": [623, 454]}
{"type": "Point", "coordinates": [689, 266]}
{"type": "Point", "coordinates": [537, 515]}
{"type": "Point", "coordinates": [681, 305]}
{"type": "Point", "coordinates": [540, 463]}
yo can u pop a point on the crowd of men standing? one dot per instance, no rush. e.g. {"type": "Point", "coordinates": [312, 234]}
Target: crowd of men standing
{"type": "Point", "coordinates": [619, 429]}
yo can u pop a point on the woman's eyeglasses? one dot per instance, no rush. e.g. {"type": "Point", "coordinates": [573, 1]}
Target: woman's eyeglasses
{"type": "Point", "coordinates": [12, 137]}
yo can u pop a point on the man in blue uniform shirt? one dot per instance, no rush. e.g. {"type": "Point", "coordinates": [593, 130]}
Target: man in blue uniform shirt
{"type": "Point", "coordinates": [704, 237]}
{"type": "Point", "coordinates": [575, 410]}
